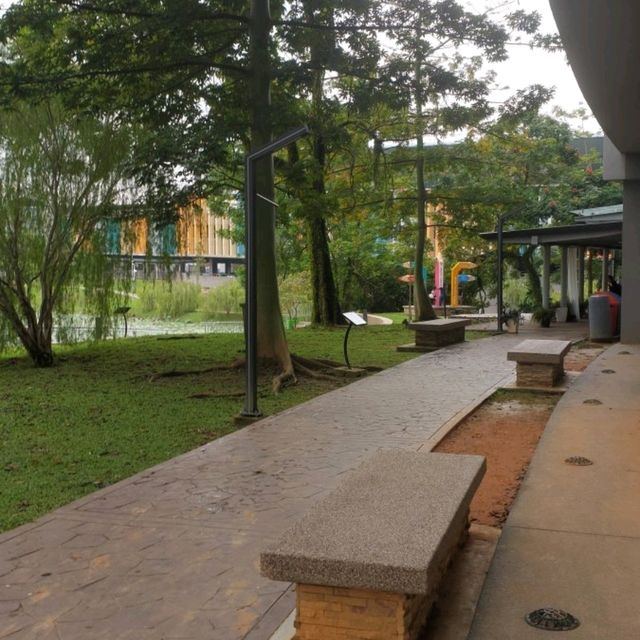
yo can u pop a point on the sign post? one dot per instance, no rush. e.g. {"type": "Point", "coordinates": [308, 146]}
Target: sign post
{"type": "Point", "coordinates": [355, 320]}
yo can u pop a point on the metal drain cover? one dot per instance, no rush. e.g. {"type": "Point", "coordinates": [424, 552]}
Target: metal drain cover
{"type": "Point", "coordinates": [592, 401]}
{"type": "Point", "coordinates": [624, 353]}
{"type": "Point", "coordinates": [552, 619]}
{"type": "Point", "coordinates": [579, 461]}
{"type": "Point", "coordinates": [608, 371]}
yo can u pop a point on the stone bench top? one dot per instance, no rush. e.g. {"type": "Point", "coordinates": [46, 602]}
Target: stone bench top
{"type": "Point", "coordinates": [540, 352]}
{"type": "Point", "coordinates": [440, 324]}
{"type": "Point", "coordinates": [384, 528]}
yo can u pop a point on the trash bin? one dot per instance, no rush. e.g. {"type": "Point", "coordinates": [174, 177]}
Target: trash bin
{"type": "Point", "coordinates": [599, 318]}
{"type": "Point", "coordinates": [614, 310]}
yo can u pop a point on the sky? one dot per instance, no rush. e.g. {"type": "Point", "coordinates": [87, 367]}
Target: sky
{"type": "Point", "coordinates": [526, 66]}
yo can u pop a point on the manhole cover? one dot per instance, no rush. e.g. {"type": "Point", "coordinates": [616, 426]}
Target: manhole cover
{"type": "Point", "coordinates": [552, 619]}
{"type": "Point", "coordinates": [592, 401]}
{"type": "Point", "coordinates": [579, 461]}
{"type": "Point", "coordinates": [608, 371]}
{"type": "Point", "coordinates": [624, 353]}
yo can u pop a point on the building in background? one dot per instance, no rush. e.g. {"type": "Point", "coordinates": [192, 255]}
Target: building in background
{"type": "Point", "coordinates": [199, 242]}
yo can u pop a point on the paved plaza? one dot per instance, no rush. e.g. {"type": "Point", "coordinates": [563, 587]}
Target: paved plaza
{"type": "Point", "coordinates": [172, 553]}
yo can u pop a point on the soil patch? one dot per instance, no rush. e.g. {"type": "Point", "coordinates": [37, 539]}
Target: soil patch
{"type": "Point", "coordinates": [505, 430]}
{"type": "Point", "coordinates": [580, 356]}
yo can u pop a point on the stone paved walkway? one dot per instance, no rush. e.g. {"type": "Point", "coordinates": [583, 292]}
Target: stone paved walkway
{"type": "Point", "coordinates": [172, 553]}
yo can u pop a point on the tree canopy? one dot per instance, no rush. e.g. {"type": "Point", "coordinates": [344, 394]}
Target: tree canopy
{"type": "Point", "coordinates": [204, 81]}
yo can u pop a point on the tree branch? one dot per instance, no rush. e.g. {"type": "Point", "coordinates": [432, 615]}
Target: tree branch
{"type": "Point", "coordinates": [95, 8]}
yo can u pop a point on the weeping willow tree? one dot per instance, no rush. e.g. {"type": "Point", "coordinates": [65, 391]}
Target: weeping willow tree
{"type": "Point", "coordinates": [60, 180]}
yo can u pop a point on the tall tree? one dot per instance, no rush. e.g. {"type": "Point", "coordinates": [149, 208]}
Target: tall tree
{"type": "Point", "coordinates": [200, 75]}
{"type": "Point", "coordinates": [441, 89]}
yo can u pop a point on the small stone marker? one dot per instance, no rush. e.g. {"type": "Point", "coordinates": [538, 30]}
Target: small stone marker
{"type": "Point", "coordinates": [539, 363]}
{"type": "Point", "coordinates": [368, 558]}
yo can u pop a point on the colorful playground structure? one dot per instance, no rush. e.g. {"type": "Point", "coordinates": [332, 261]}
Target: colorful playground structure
{"type": "Point", "coordinates": [457, 278]}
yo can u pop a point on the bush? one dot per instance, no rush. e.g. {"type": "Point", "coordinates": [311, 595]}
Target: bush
{"type": "Point", "coordinates": [295, 298]}
{"type": "Point", "coordinates": [517, 294]}
{"type": "Point", "coordinates": [169, 300]}
{"type": "Point", "coordinates": [224, 299]}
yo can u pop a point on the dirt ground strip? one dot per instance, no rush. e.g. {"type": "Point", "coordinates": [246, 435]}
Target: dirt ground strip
{"type": "Point", "coordinates": [506, 430]}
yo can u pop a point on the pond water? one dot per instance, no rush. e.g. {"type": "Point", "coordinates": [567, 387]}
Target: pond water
{"type": "Point", "coordinates": [79, 328]}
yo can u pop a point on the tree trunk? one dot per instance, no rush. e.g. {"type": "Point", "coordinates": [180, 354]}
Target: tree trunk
{"type": "Point", "coordinates": [533, 276]}
{"type": "Point", "coordinates": [39, 349]}
{"type": "Point", "coordinates": [35, 336]}
{"type": "Point", "coordinates": [272, 344]}
{"type": "Point", "coordinates": [326, 309]}
{"type": "Point", "coordinates": [423, 308]}
{"type": "Point", "coordinates": [325, 306]}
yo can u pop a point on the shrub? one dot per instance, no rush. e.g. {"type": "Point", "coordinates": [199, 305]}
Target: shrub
{"type": "Point", "coordinates": [169, 300]}
{"type": "Point", "coordinates": [224, 299]}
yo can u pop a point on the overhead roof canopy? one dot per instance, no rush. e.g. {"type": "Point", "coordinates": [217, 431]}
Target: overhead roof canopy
{"type": "Point", "coordinates": [596, 234]}
{"type": "Point", "coordinates": [612, 213]}
{"type": "Point", "coordinates": [601, 40]}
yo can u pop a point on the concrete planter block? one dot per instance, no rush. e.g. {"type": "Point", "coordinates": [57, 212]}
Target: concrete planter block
{"type": "Point", "coordinates": [539, 363]}
{"type": "Point", "coordinates": [434, 334]}
{"type": "Point", "coordinates": [383, 538]}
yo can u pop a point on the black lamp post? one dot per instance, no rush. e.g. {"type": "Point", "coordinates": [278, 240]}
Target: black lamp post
{"type": "Point", "coordinates": [251, 334]}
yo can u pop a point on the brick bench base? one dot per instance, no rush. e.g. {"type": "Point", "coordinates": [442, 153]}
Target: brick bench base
{"type": "Point", "coordinates": [539, 363]}
{"type": "Point", "coordinates": [334, 613]}
{"type": "Point", "coordinates": [538, 375]}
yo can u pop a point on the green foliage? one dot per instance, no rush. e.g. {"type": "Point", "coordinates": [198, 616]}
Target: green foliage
{"type": "Point", "coordinates": [523, 165]}
{"type": "Point", "coordinates": [224, 299]}
{"type": "Point", "coordinates": [516, 293]}
{"type": "Point", "coordinates": [543, 316]}
{"type": "Point", "coordinates": [295, 298]}
{"type": "Point", "coordinates": [167, 300]}
{"type": "Point", "coordinates": [60, 177]}
{"type": "Point", "coordinates": [198, 77]}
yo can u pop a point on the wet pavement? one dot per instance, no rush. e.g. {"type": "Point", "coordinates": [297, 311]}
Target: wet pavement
{"type": "Point", "coordinates": [172, 553]}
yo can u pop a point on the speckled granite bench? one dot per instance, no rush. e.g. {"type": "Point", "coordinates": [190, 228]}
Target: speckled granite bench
{"type": "Point", "coordinates": [434, 334]}
{"type": "Point", "coordinates": [367, 560]}
{"type": "Point", "coordinates": [539, 363]}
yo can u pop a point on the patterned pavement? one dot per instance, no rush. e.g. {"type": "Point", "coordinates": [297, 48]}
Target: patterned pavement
{"type": "Point", "coordinates": [172, 553]}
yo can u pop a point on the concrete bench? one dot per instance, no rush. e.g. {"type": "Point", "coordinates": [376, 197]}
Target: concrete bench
{"type": "Point", "coordinates": [434, 334]}
{"type": "Point", "coordinates": [367, 559]}
{"type": "Point", "coordinates": [539, 363]}
{"type": "Point", "coordinates": [440, 310]}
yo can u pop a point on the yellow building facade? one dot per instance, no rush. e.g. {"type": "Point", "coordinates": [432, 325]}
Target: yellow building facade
{"type": "Point", "coordinates": [197, 233]}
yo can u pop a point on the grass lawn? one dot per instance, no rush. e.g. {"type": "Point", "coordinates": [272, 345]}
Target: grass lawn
{"type": "Point", "coordinates": [96, 417]}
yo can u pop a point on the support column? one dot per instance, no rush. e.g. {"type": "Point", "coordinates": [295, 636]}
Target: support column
{"type": "Point", "coordinates": [630, 332]}
{"type": "Point", "coordinates": [581, 277]}
{"type": "Point", "coordinates": [605, 269]}
{"type": "Point", "coordinates": [590, 272]}
{"type": "Point", "coordinates": [546, 272]}
{"type": "Point", "coordinates": [563, 276]}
